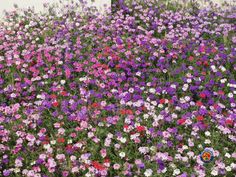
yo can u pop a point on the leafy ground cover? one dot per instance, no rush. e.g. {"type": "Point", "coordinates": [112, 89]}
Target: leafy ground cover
{"type": "Point", "coordinates": [140, 90]}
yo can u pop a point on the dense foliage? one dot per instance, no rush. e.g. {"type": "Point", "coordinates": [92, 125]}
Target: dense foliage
{"type": "Point", "coordinates": [141, 91]}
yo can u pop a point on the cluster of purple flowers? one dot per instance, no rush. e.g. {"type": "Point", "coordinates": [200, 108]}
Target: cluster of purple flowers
{"type": "Point", "coordinates": [137, 92]}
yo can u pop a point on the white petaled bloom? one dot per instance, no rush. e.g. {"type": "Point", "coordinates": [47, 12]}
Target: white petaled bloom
{"type": "Point", "coordinates": [62, 82]}
{"type": "Point", "coordinates": [223, 69]}
{"type": "Point", "coordinates": [189, 80]}
{"type": "Point", "coordinates": [214, 172]}
{"type": "Point", "coordinates": [228, 168]}
{"type": "Point", "coordinates": [214, 69]}
{"type": "Point", "coordinates": [230, 95]}
{"type": "Point", "coordinates": [152, 90]}
{"type": "Point", "coordinates": [138, 73]}
{"type": "Point", "coordinates": [185, 87]}
{"type": "Point", "coordinates": [123, 140]}
{"type": "Point", "coordinates": [207, 133]}
{"type": "Point", "coordinates": [131, 90]}
{"type": "Point", "coordinates": [223, 80]}
{"type": "Point", "coordinates": [148, 172]}
{"type": "Point", "coordinates": [60, 62]}
{"type": "Point", "coordinates": [53, 142]}
{"type": "Point", "coordinates": [227, 155]}
{"type": "Point", "coordinates": [207, 141]}
{"type": "Point", "coordinates": [145, 116]}
{"type": "Point", "coordinates": [176, 172]}
{"type": "Point", "coordinates": [185, 147]}
{"type": "Point", "coordinates": [122, 154]}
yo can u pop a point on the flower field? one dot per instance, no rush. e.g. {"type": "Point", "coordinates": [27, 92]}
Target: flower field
{"type": "Point", "coordinates": [140, 90]}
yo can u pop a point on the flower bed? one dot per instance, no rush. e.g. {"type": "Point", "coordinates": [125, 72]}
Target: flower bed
{"type": "Point", "coordinates": [139, 92]}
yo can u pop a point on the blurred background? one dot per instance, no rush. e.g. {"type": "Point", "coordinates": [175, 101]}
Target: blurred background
{"type": "Point", "coordinates": [38, 4]}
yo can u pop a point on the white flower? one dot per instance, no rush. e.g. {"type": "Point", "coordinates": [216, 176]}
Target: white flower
{"type": "Point", "coordinates": [164, 170]}
{"type": "Point", "coordinates": [138, 73]}
{"type": "Point", "coordinates": [60, 62]}
{"type": "Point", "coordinates": [53, 142]}
{"type": "Point", "coordinates": [154, 103]}
{"type": "Point", "coordinates": [207, 133]}
{"type": "Point", "coordinates": [152, 90]}
{"type": "Point", "coordinates": [143, 150]}
{"type": "Point", "coordinates": [189, 80]}
{"type": "Point", "coordinates": [228, 168]}
{"type": "Point", "coordinates": [223, 80]}
{"type": "Point", "coordinates": [185, 87]}
{"type": "Point", "coordinates": [145, 116]}
{"type": "Point", "coordinates": [200, 146]}
{"type": "Point", "coordinates": [227, 155]}
{"type": "Point", "coordinates": [131, 90]}
{"type": "Point", "coordinates": [214, 69]}
{"type": "Point", "coordinates": [187, 98]}
{"type": "Point", "coordinates": [185, 147]}
{"type": "Point", "coordinates": [62, 82]}
{"type": "Point", "coordinates": [173, 86]}
{"type": "Point", "coordinates": [122, 154]}
{"type": "Point", "coordinates": [176, 172]}
{"type": "Point", "coordinates": [148, 172]}
{"type": "Point", "coordinates": [123, 140]}
{"type": "Point", "coordinates": [233, 165]}
{"type": "Point", "coordinates": [214, 172]}
{"type": "Point", "coordinates": [222, 68]}
{"type": "Point", "coordinates": [230, 95]}
{"type": "Point", "coordinates": [207, 141]}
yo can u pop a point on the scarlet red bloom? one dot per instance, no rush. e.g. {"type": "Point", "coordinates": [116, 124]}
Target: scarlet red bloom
{"type": "Point", "coordinates": [200, 118]}
{"type": "Point", "coordinates": [140, 128]}
{"type": "Point", "coordinates": [107, 161]}
{"type": "Point", "coordinates": [181, 121]}
{"type": "Point", "coordinates": [162, 101]}
{"type": "Point", "coordinates": [63, 93]}
{"type": "Point", "coordinates": [202, 95]}
{"type": "Point", "coordinates": [126, 126]}
{"type": "Point", "coordinates": [53, 96]}
{"type": "Point", "coordinates": [98, 166]}
{"type": "Point", "coordinates": [60, 140]}
{"type": "Point", "coordinates": [55, 104]}
{"type": "Point", "coordinates": [229, 121]}
{"type": "Point", "coordinates": [199, 103]}
{"type": "Point", "coordinates": [126, 111]}
{"type": "Point", "coordinates": [129, 111]}
{"type": "Point", "coordinates": [95, 105]}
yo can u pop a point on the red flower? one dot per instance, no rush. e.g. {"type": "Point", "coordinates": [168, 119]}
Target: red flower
{"type": "Point", "coordinates": [55, 104]}
{"type": "Point", "coordinates": [181, 121]}
{"type": "Point", "coordinates": [191, 58]}
{"type": "Point", "coordinates": [129, 112]}
{"type": "Point", "coordinates": [229, 121]}
{"type": "Point", "coordinates": [98, 166]}
{"type": "Point", "coordinates": [140, 128]}
{"type": "Point", "coordinates": [199, 103]}
{"type": "Point", "coordinates": [162, 101]}
{"type": "Point", "coordinates": [63, 93]}
{"type": "Point", "coordinates": [106, 160]}
{"type": "Point", "coordinates": [53, 96]}
{"type": "Point", "coordinates": [203, 95]}
{"type": "Point", "coordinates": [126, 126]}
{"type": "Point", "coordinates": [200, 118]}
{"type": "Point", "coordinates": [95, 105]}
{"type": "Point", "coordinates": [60, 140]}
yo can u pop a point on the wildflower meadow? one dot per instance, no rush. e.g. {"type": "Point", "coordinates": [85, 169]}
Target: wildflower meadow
{"type": "Point", "coordinates": [143, 89]}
